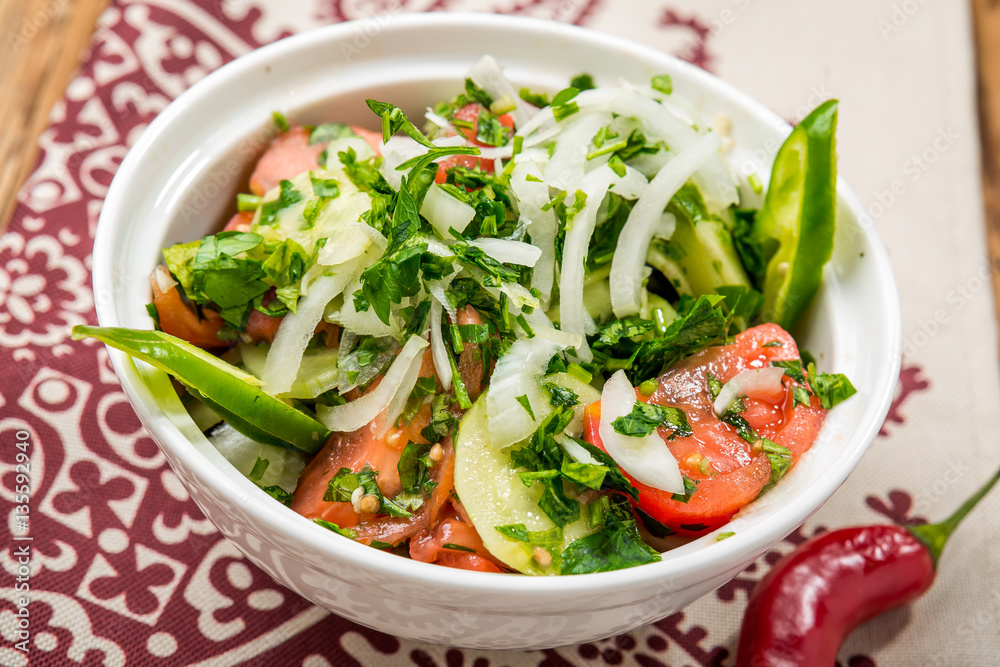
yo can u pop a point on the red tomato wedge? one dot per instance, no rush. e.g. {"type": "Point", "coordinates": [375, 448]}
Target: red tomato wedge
{"type": "Point", "coordinates": [470, 113]}
{"type": "Point", "coordinates": [240, 222]}
{"type": "Point", "coordinates": [179, 319]}
{"type": "Point", "coordinates": [453, 543]}
{"type": "Point", "coordinates": [353, 451]}
{"type": "Point", "coordinates": [290, 154]}
{"type": "Point", "coordinates": [735, 472]}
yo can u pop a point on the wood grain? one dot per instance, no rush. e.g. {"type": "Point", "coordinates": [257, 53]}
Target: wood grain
{"type": "Point", "coordinates": [43, 43]}
{"type": "Point", "coordinates": [986, 16]}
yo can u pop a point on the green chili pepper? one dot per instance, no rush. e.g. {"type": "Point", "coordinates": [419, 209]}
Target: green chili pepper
{"type": "Point", "coordinates": [795, 226]}
{"type": "Point", "coordinates": [235, 395]}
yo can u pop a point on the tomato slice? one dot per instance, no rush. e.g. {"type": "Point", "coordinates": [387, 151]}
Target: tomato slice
{"type": "Point", "coordinates": [353, 451]}
{"type": "Point", "coordinates": [290, 153]}
{"type": "Point", "coordinates": [177, 318]}
{"type": "Point", "coordinates": [453, 542]}
{"type": "Point", "coordinates": [470, 113]}
{"type": "Point", "coordinates": [735, 472]}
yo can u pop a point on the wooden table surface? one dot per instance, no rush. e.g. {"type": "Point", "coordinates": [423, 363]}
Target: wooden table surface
{"type": "Point", "coordinates": [46, 39]}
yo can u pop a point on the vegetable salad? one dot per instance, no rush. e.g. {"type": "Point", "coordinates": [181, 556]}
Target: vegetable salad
{"type": "Point", "coordinates": [544, 334]}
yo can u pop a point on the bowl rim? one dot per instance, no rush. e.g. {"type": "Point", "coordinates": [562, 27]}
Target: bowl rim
{"type": "Point", "coordinates": [277, 520]}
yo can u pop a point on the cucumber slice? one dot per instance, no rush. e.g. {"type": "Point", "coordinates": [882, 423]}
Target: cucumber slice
{"type": "Point", "coordinates": [795, 227]}
{"type": "Point", "coordinates": [494, 495]}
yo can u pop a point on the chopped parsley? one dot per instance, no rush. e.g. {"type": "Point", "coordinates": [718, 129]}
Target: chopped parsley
{"type": "Point", "coordinates": [615, 547]}
{"type": "Point", "coordinates": [346, 532]}
{"type": "Point", "coordinates": [342, 485]}
{"type": "Point", "coordinates": [831, 388]}
{"type": "Point", "coordinates": [646, 417]}
{"type": "Point", "coordinates": [561, 396]}
{"type": "Point", "coordinates": [526, 404]}
{"type": "Point", "coordinates": [663, 83]}
{"type": "Point", "coordinates": [792, 368]}
{"type": "Point", "coordinates": [690, 487]}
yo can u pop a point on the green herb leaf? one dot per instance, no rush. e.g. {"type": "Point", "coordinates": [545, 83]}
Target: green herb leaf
{"type": "Point", "coordinates": [663, 83]}
{"type": "Point", "coordinates": [259, 468]}
{"type": "Point", "coordinates": [327, 132]}
{"type": "Point", "coordinates": [561, 396]}
{"type": "Point", "coordinates": [287, 196]}
{"type": "Point", "coordinates": [628, 327]}
{"type": "Point", "coordinates": [544, 538]}
{"type": "Point", "coordinates": [394, 120]}
{"type": "Point", "coordinates": [646, 417]}
{"type": "Point", "coordinates": [831, 388]}
{"type": "Point", "coordinates": [526, 404]}
{"type": "Point", "coordinates": [582, 82]}
{"type": "Point", "coordinates": [280, 121]}
{"type": "Point", "coordinates": [779, 457]}
{"type": "Point", "coordinates": [793, 369]}
{"type": "Point", "coordinates": [800, 396]}
{"type": "Point", "coordinates": [617, 546]}
{"type": "Point", "coordinates": [690, 486]}
{"type": "Point", "coordinates": [346, 532]}
{"type": "Point", "coordinates": [279, 494]}
{"type": "Point", "coordinates": [341, 487]}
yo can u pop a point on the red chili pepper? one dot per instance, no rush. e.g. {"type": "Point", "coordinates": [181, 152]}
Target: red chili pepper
{"type": "Point", "coordinates": [799, 613]}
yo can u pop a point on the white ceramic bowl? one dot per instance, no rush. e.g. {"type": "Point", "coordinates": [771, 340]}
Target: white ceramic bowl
{"type": "Point", "coordinates": [178, 183]}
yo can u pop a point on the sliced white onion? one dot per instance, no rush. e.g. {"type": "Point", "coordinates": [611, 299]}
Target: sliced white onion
{"type": "Point", "coordinates": [296, 330]}
{"type": "Point", "coordinates": [539, 120]}
{"type": "Point", "coordinates": [509, 252]}
{"type": "Point", "coordinates": [576, 451]}
{"type": "Point", "coordinates": [532, 196]}
{"type": "Point", "coordinates": [439, 290]}
{"type": "Point", "coordinates": [632, 185]}
{"type": "Point", "coordinates": [435, 247]}
{"type": "Point", "coordinates": [349, 366]}
{"type": "Point", "coordinates": [496, 153]}
{"type": "Point", "coordinates": [541, 137]}
{"type": "Point", "coordinates": [658, 122]}
{"type": "Point", "coordinates": [749, 381]}
{"type": "Point", "coordinates": [348, 241]}
{"type": "Point", "coordinates": [568, 163]}
{"type": "Point", "coordinates": [452, 141]}
{"type": "Point", "coordinates": [163, 278]}
{"type": "Point", "coordinates": [442, 367]}
{"type": "Point", "coordinates": [444, 211]}
{"type": "Point", "coordinates": [519, 373]}
{"type": "Point", "coordinates": [573, 317]}
{"type": "Point", "coordinates": [439, 120]}
{"type": "Point", "coordinates": [519, 295]}
{"type": "Point", "coordinates": [542, 326]}
{"type": "Point", "coordinates": [395, 152]}
{"type": "Point", "coordinates": [387, 399]}
{"type": "Point", "coordinates": [666, 228]}
{"type": "Point", "coordinates": [647, 458]}
{"type": "Point", "coordinates": [366, 322]}
{"type": "Point", "coordinates": [644, 220]}
{"type": "Point", "coordinates": [488, 75]}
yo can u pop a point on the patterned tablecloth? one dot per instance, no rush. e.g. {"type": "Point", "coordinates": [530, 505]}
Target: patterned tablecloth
{"type": "Point", "coordinates": [122, 566]}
